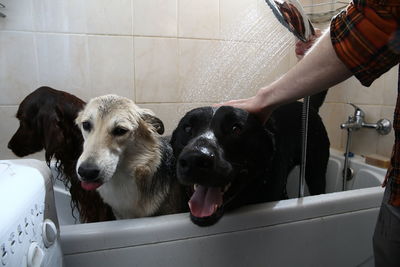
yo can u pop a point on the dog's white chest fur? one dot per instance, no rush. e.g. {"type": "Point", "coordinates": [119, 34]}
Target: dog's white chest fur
{"type": "Point", "coordinates": [122, 194]}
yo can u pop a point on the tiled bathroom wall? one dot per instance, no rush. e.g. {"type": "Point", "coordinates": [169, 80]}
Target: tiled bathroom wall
{"type": "Point", "coordinates": [149, 51]}
{"type": "Point", "coordinates": [377, 101]}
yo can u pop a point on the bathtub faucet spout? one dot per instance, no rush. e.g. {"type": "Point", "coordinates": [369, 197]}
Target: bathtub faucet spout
{"type": "Point", "coordinates": [356, 122]}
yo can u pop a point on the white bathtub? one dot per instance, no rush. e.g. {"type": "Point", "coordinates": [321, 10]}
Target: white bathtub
{"type": "Point", "coordinates": [334, 229]}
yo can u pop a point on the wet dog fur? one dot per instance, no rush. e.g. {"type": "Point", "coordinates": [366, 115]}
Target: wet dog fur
{"type": "Point", "coordinates": [232, 159]}
{"type": "Point", "coordinates": [126, 160]}
{"type": "Point", "coordinates": [47, 121]}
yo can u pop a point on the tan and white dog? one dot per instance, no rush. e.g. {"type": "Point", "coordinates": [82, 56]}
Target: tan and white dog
{"type": "Point", "coordinates": [126, 160]}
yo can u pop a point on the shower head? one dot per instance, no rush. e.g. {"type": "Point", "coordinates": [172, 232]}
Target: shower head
{"type": "Point", "coordinates": [291, 15]}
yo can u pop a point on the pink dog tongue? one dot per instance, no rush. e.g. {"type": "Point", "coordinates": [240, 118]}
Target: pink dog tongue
{"type": "Point", "coordinates": [90, 186]}
{"type": "Point", "coordinates": [204, 200]}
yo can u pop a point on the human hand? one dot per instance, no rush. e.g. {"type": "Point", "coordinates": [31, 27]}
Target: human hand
{"type": "Point", "coordinates": [253, 105]}
{"type": "Point", "coordinates": [303, 47]}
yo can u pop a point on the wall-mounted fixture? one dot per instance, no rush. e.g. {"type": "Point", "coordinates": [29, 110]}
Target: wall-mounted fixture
{"type": "Point", "coordinates": [354, 123]}
{"type": "Point", "coordinates": [2, 15]}
{"type": "Point", "coordinates": [323, 10]}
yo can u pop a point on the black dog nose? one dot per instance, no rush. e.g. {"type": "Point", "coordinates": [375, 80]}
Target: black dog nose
{"type": "Point", "coordinates": [88, 171]}
{"type": "Point", "coordinates": [196, 161]}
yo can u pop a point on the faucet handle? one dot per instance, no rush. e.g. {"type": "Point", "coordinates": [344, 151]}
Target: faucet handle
{"type": "Point", "coordinates": [357, 111]}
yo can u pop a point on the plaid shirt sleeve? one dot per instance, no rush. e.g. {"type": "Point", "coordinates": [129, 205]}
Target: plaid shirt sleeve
{"type": "Point", "coordinates": [366, 37]}
{"type": "Point", "coordinates": [363, 36]}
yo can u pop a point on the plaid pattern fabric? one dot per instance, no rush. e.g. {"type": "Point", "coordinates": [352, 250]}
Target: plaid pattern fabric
{"type": "Point", "coordinates": [366, 37]}
{"type": "Point", "coordinates": [362, 35]}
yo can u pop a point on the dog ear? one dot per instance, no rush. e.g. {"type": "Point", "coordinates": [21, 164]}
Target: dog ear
{"type": "Point", "coordinates": [149, 117]}
{"type": "Point", "coordinates": [53, 136]}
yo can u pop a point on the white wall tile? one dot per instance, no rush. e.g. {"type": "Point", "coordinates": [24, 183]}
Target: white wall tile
{"type": "Point", "coordinates": [111, 65]}
{"type": "Point", "coordinates": [18, 66]}
{"type": "Point", "coordinates": [155, 17]}
{"type": "Point", "coordinates": [19, 15]}
{"type": "Point", "coordinates": [198, 19]}
{"type": "Point", "coordinates": [156, 70]}
{"type": "Point", "coordinates": [60, 15]}
{"type": "Point", "coordinates": [109, 17]}
{"type": "Point", "coordinates": [7, 117]}
{"type": "Point", "coordinates": [63, 63]}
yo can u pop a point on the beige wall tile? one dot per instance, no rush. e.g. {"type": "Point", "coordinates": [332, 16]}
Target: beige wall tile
{"type": "Point", "coordinates": [111, 65]}
{"type": "Point", "coordinates": [237, 14]}
{"type": "Point", "coordinates": [216, 71]}
{"type": "Point", "coordinates": [60, 15]}
{"type": "Point", "coordinates": [389, 93]}
{"type": "Point", "coordinates": [19, 15]}
{"type": "Point", "coordinates": [365, 141]}
{"type": "Point", "coordinates": [9, 124]}
{"type": "Point", "coordinates": [168, 75]}
{"type": "Point", "coordinates": [385, 142]}
{"type": "Point", "coordinates": [18, 66]}
{"type": "Point", "coordinates": [336, 94]}
{"type": "Point", "coordinates": [155, 17]}
{"type": "Point", "coordinates": [358, 94]}
{"type": "Point", "coordinates": [198, 19]}
{"type": "Point", "coordinates": [63, 63]}
{"type": "Point", "coordinates": [197, 67]}
{"type": "Point", "coordinates": [156, 70]}
{"type": "Point", "coordinates": [333, 115]}
{"type": "Point", "coordinates": [171, 113]}
{"type": "Point", "coordinates": [109, 17]}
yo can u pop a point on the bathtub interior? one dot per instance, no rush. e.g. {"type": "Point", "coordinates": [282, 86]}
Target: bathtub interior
{"type": "Point", "coordinates": [365, 176]}
{"type": "Point", "coordinates": [342, 222]}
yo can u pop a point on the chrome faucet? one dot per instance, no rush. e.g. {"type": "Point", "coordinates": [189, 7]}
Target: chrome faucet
{"type": "Point", "coordinates": [356, 122]}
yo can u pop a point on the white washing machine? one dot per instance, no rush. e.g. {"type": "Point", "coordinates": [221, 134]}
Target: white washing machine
{"type": "Point", "coordinates": [29, 230]}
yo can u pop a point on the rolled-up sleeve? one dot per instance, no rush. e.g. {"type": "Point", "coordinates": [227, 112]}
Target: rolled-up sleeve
{"type": "Point", "coordinates": [365, 37]}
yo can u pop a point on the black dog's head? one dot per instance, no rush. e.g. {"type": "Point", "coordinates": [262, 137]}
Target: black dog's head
{"type": "Point", "coordinates": [219, 154]}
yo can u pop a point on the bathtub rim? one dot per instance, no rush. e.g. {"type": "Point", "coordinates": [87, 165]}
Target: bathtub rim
{"type": "Point", "coordinates": [82, 238]}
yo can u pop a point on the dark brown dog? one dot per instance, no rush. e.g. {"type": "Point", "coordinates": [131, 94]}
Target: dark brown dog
{"type": "Point", "coordinates": [46, 119]}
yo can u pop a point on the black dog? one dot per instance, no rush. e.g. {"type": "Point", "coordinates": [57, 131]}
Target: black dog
{"type": "Point", "coordinates": [230, 159]}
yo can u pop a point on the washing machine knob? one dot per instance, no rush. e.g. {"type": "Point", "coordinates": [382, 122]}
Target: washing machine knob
{"type": "Point", "coordinates": [35, 255]}
{"type": "Point", "coordinates": [49, 233]}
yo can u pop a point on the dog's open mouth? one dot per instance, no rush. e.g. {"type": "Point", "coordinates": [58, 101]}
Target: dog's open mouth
{"type": "Point", "coordinates": [206, 200]}
{"type": "Point", "coordinates": [89, 186]}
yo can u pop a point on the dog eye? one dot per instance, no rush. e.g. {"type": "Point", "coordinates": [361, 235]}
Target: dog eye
{"type": "Point", "coordinates": [236, 129]}
{"type": "Point", "coordinates": [187, 129]}
{"type": "Point", "coordinates": [86, 126]}
{"type": "Point", "coordinates": [118, 131]}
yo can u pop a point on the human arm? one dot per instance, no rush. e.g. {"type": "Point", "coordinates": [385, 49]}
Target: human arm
{"type": "Point", "coordinates": [318, 70]}
{"type": "Point", "coordinates": [365, 37]}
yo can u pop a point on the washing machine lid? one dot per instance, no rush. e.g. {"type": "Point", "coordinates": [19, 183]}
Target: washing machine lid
{"type": "Point", "coordinates": [21, 184]}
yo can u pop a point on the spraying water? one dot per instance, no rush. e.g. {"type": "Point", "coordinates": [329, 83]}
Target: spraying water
{"type": "Point", "coordinates": [237, 66]}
